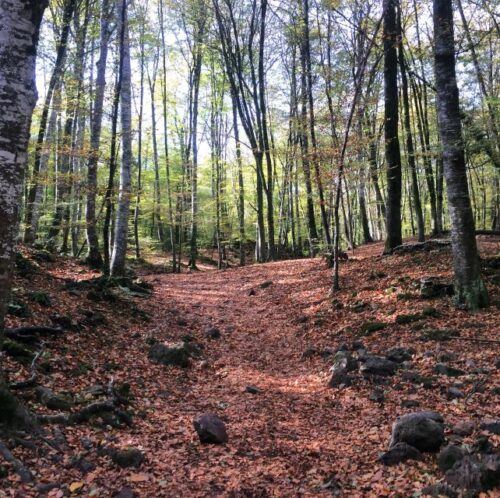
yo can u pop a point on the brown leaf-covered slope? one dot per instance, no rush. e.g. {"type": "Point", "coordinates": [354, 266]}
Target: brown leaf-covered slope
{"type": "Point", "coordinates": [295, 436]}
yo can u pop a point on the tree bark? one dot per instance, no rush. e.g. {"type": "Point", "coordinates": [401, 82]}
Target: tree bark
{"type": "Point", "coordinates": [392, 151]}
{"type": "Point", "coordinates": [94, 257]}
{"type": "Point", "coordinates": [410, 148]}
{"type": "Point", "coordinates": [121, 226]}
{"type": "Point", "coordinates": [470, 290]}
{"type": "Point", "coordinates": [19, 31]}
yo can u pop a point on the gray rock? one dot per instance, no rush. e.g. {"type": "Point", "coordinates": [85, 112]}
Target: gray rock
{"type": "Point", "coordinates": [439, 490]}
{"type": "Point", "coordinates": [399, 355]}
{"type": "Point", "coordinates": [376, 365]}
{"type": "Point", "coordinates": [465, 428]}
{"type": "Point", "coordinates": [377, 395]}
{"type": "Point", "coordinates": [213, 333]}
{"type": "Point", "coordinates": [400, 452]}
{"type": "Point", "coordinates": [431, 287]}
{"type": "Point", "coordinates": [343, 363]}
{"type": "Point", "coordinates": [410, 403]}
{"type": "Point", "coordinates": [492, 426]}
{"type": "Point", "coordinates": [126, 457]}
{"type": "Point", "coordinates": [211, 429]}
{"type": "Point", "coordinates": [448, 456]}
{"type": "Point", "coordinates": [423, 430]}
{"type": "Point", "coordinates": [443, 369]}
{"type": "Point", "coordinates": [473, 474]}
{"type": "Point", "coordinates": [170, 355]}
{"type": "Point", "coordinates": [454, 393]}
{"type": "Point", "coordinates": [252, 390]}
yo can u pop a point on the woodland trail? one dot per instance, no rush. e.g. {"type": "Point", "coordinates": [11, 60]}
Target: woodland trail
{"type": "Point", "coordinates": [273, 434]}
{"type": "Point", "coordinates": [295, 437]}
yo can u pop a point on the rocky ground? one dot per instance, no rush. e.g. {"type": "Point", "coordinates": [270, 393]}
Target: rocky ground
{"type": "Point", "coordinates": [253, 382]}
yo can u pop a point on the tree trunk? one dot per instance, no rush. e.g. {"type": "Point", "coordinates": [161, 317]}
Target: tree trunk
{"type": "Point", "coordinates": [121, 226]}
{"type": "Point", "coordinates": [470, 290]}
{"type": "Point", "coordinates": [19, 30]}
{"type": "Point", "coordinates": [69, 9]}
{"type": "Point", "coordinates": [410, 148]}
{"type": "Point", "coordinates": [94, 257]}
{"type": "Point", "coordinates": [392, 151]}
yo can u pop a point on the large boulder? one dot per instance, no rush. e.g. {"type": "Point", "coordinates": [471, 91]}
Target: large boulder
{"type": "Point", "coordinates": [170, 354]}
{"type": "Point", "coordinates": [423, 430]}
{"type": "Point", "coordinates": [211, 429]}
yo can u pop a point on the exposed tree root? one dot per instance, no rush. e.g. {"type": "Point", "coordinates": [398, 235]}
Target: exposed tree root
{"type": "Point", "coordinates": [24, 473]}
{"type": "Point", "coordinates": [31, 381]}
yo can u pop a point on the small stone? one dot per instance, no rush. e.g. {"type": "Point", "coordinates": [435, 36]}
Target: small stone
{"type": "Point", "coordinates": [410, 403]}
{"type": "Point", "coordinates": [369, 328]}
{"type": "Point", "coordinates": [400, 452]}
{"type": "Point", "coordinates": [170, 355]}
{"type": "Point", "coordinates": [399, 355]}
{"type": "Point", "coordinates": [266, 284]}
{"type": "Point", "coordinates": [439, 490]}
{"type": "Point", "coordinates": [377, 395]}
{"type": "Point", "coordinates": [492, 426]}
{"type": "Point", "coordinates": [465, 428]}
{"type": "Point", "coordinates": [376, 365]}
{"type": "Point", "coordinates": [210, 429]}
{"type": "Point", "coordinates": [213, 333]}
{"type": "Point", "coordinates": [252, 390]}
{"type": "Point", "coordinates": [454, 393]}
{"type": "Point", "coordinates": [443, 369]}
{"type": "Point", "coordinates": [126, 492]}
{"type": "Point", "coordinates": [127, 457]}
{"type": "Point", "coordinates": [448, 456]}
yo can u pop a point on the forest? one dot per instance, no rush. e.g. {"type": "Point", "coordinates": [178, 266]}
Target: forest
{"type": "Point", "coordinates": [249, 248]}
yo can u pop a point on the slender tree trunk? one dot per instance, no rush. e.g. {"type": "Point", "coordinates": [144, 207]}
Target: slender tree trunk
{"type": "Point", "coordinates": [241, 187]}
{"type": "Point", "coordinates": [410, 148]}
{"type": "Point", "coordinates": [94, 257]}
{"type": "Point", "coordinates": [470, 290]}
{"type": "Point", "coordinates": [392, 151]}
{"type": "Point", "coordinates": [121, 226]}
{"type": "Point", "coordinates": [265, 135]}
{"type": "Point", "coordinates": [165, 142]}
{"type": "Point", "coordinates": [69, 9]}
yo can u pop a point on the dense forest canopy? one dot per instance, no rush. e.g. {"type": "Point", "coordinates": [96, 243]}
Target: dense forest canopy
{"type": "Point", "coordinates": [239, 115]}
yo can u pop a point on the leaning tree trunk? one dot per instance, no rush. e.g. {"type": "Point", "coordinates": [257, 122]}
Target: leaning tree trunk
{"type": "Point", "coordinates": [19, 28]}
{"type": "Point", "coordinates": [392, 151]}
{"type": "Point", "coordinates": [470, 290]}
{"type": "Point", "coordinates": [121, 227]}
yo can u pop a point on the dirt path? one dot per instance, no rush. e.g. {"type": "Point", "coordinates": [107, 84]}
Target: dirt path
{"type": "Point", "coordinates": [280, 432]}
{"type": "Point", "coordinates": [294, 438]}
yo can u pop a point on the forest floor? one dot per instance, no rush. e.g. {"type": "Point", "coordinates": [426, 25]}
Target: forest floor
{"type": "Point", "coordinates": [293, 435]}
